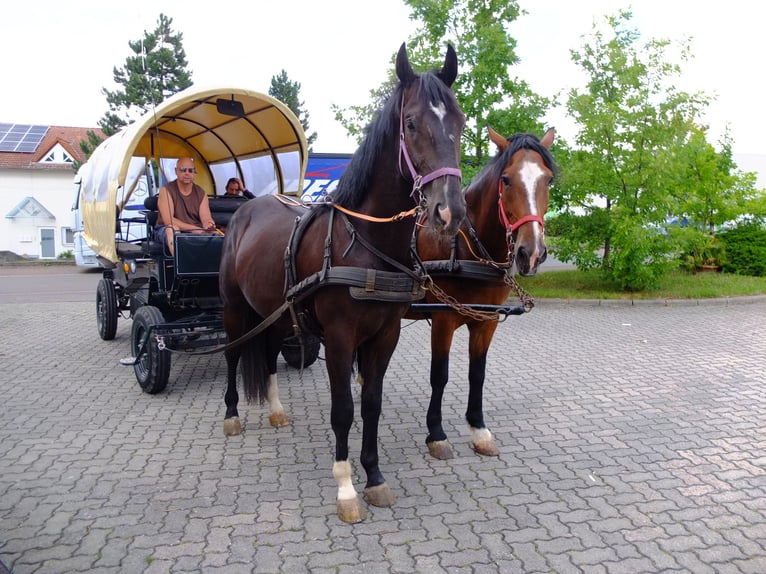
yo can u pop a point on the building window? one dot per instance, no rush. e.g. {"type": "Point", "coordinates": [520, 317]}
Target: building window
{"type": "Point", "coordinates": [67, 236]}
{"type": "Point", "coordinates": [57, 155]}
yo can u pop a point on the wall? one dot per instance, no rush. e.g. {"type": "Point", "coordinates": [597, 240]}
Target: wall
{"type": "Point", "coordinates": [53, 189]}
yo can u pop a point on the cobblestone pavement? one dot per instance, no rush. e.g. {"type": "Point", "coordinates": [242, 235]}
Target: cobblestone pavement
{"type": "Point", "coordinates": [632, 439]}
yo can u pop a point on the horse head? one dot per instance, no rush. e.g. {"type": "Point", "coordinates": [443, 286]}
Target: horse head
{"type": "Point", "coordinates": [523, 193]}
{"type": "Point", "coordinates": [430, 126]}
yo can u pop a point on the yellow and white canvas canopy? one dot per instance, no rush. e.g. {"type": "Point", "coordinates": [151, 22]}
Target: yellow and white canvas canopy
{"type": "Point", "coordinates": [229, 132]}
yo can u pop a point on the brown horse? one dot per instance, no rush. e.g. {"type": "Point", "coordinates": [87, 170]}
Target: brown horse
{"type": "Point", "coordinates": [343, 269]}
{"type": "Point", "coordinates": [504, 225]}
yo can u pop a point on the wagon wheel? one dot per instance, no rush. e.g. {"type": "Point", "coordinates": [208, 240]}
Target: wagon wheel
{"type": "Point", "coordinates": [152, 366]}
{"type": "Point", "coordinates": [106, 309]}
{"type": "Point", "coordinates": [291, 350]}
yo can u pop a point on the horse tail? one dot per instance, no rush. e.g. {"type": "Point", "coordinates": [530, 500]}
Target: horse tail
{"type": "Point", "coordinates": [254, 367]}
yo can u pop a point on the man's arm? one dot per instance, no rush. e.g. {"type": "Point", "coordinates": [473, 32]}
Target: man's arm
{"type": "Point", "coordinates": [166, 208]}
{"type": "Point", "coordinates": [205, 215]}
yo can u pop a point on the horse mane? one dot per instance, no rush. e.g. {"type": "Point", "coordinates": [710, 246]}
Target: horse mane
{"type": "Point", "coordinates": [354, 183]}
{"type": "Point", "coordinates": [494, 168]}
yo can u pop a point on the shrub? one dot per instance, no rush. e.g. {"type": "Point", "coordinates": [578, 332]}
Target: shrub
{"type": "Point", "coordinates": [745, 250]}
{"type": "Point", "coordinates": [697, 247]}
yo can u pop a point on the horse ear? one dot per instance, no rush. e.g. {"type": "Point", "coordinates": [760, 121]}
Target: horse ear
{"type": "Point", "coordinates": [403, 69]}
{"type": "Point", "coordinates": [497, 139]}
{"type": "Point", "coordinates": [548, 138]}
{"type": "Point", "coordinates": [448, 73]}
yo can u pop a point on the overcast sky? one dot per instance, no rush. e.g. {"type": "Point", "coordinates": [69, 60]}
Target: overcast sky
{"type": "Point", "coordinates": [56, 56]}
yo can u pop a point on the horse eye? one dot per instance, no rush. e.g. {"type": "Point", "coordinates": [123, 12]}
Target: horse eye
{"type": "Point", "coordinates": [410, 124]}
{"type": "Point", "coordinates": [506, 180]}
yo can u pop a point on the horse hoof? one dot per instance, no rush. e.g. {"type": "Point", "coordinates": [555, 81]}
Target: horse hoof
{"type": "Point", "coordinates": [279, 420]}
{"type": "Point", "coordinates": [350, 511]}
{"type": "Point", "coordinates": [232, 427]}
{"type": "Point", "coordinates": [380, 495]}
{"type": "Point", "coordinates": [486, 448]}
{"type": "Point", "coordinates": [440, 450]}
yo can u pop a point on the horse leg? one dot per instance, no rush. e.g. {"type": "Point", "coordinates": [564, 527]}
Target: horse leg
{"type": "Point", "coordinates": [277, 415]}
{"type": "Point", "coordinates": [442, 332]}
{"type": "Point", "coordinates": [373, 358]}
{"type": "Point", "coordinates": [231, 424]}
{"type": "Point", "coordinates": [338, 360]}
{"type": "Point", "coordinates": [480, 337]}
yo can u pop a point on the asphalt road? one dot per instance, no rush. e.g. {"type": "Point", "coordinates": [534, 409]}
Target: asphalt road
{"type": "Point", "coordinates": [30, 283]}
{"type": "Point", "coordinates": [632, 439]}
{"type": "Point", "coordinates": [47, 283]}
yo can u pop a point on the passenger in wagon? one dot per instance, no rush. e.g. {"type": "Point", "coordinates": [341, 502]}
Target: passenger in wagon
{"type": "Point", "coordinates": [234, 188]}
{"type": "Point", "coordinates": [183, 205]}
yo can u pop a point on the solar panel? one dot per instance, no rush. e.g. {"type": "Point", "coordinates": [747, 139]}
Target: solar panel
{"type": "Point", "coordinates": [22, 138]}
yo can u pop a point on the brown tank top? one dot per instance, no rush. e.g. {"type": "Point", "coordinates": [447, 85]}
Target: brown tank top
{"type": "Point", "coordinates": [185, 208]}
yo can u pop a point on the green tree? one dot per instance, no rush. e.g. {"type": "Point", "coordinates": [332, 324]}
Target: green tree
{"type": "Point", "coordinates": [713, 191]}
{"type": "Point", "coordinates": [626, 174]}
{"type": "Point", "coordinates": [156, 70]}
{"type": "Point", "coordinates": [485, 89]}
{"type": "Point", "coordinates": [288, 93]}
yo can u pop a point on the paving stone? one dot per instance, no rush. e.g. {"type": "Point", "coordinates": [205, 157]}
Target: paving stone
{"type": "Point", "coordinates": [607, 465]}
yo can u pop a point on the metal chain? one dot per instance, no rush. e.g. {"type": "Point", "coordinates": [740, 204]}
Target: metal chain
{"type": "Point", "coordinates": [525, 298]}
{"type": "Point", "coordinates": [440, 295]}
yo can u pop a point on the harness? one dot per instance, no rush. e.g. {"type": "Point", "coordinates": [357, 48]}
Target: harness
{"type": "Point", "coordinates": [483, 267]}
{"type": "Point", "coordinates": [402, 286]}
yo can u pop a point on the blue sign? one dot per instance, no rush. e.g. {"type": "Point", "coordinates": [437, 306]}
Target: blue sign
{"type": "Point", "coordinates": [322, 174]}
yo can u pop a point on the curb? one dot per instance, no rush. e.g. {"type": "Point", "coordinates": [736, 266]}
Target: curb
{"type": "Point", "coordinates": [718, 301]}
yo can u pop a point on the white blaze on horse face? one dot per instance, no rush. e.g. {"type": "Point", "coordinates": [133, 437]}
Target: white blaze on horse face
{"type": "Point", "coordinates": [530, 172]}
{"type": "Point", "coordinates": [440, 110]}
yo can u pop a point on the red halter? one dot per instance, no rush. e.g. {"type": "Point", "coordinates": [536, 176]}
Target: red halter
{"type": "Point", "coordinates": [510, 228]}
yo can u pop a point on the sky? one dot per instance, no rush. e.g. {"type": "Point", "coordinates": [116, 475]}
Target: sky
{"type": "Point", "coordinates": [57, 56]}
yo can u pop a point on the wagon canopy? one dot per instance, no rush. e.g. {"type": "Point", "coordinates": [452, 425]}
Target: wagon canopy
{"type": "Point", "coordinates": [230, 132]}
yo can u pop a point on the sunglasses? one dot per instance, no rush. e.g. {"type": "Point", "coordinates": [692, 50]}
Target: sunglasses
{"type": "Point", "coordinates": [187, 169]}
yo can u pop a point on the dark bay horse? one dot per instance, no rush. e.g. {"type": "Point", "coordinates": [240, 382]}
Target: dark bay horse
{"type": "Point", "coordinates": [343, 269]}
{"type": "Point", "coordinates": [505, 205]}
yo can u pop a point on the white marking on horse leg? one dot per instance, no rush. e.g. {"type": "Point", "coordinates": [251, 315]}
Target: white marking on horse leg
{"type": "Point", "coordinates": [277, 415]}
{"type": "Point", "coordinates": [480, 435]}
{"type": "Point", "coordinates": [272, 394]}
{"type": "Point", "coordinates": [483, 442]}
{"type": "Point", "coordinates": [341, 470]}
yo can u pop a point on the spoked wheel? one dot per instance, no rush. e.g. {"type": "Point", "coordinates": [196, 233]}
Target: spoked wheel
{"type": "Point", "coordinates": [152, 365]}
{"type": "Point", "coordinates": [106, 309]}
{"type": "Point", "coordinates": [291, 350]}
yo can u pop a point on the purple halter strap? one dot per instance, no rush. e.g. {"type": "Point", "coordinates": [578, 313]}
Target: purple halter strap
{"type": "Point", "coordinates": [419, 180]}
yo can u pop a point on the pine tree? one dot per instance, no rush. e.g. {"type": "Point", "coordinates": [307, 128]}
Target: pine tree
{"type": "Point", "coordinates": [288, 92]}
{"type": "Point", "coordinates": [155, 71]}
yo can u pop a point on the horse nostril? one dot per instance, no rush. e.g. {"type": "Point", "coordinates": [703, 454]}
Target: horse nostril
{"type": "Point", "coordinates": [444, 214]}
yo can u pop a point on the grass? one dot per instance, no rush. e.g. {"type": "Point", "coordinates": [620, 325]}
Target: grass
{"type": "Point", "coordinates": [575, 284]}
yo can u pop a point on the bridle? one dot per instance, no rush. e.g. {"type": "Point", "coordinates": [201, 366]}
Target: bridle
{"type": "Point", "coordinates": [419, 180]}
{"type": "Point", "coordinates": [505, 220]}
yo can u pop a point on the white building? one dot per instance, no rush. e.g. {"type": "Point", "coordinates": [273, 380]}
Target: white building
{"type": "Point", "coordinates": [36, 189]}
